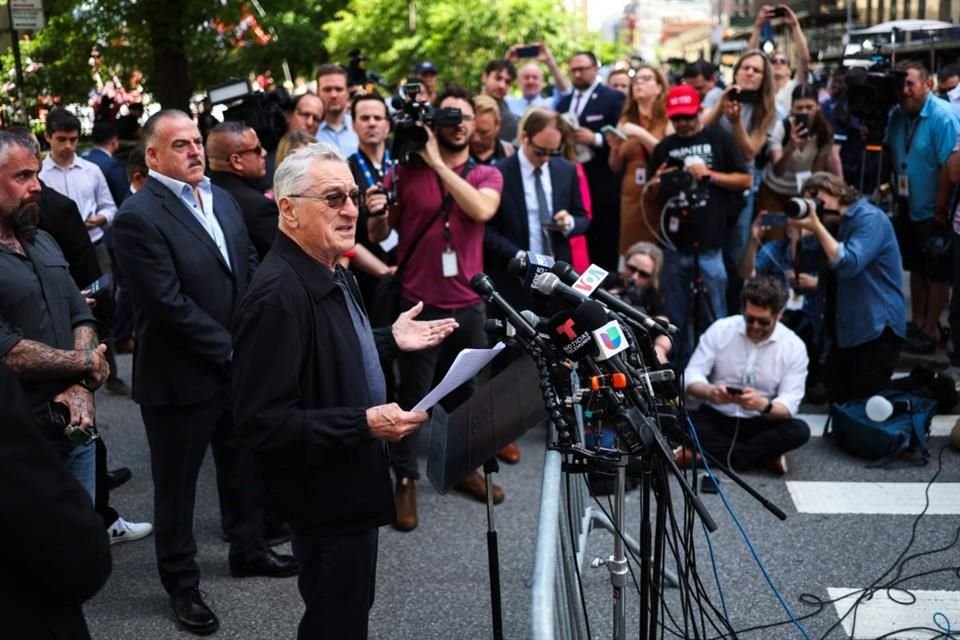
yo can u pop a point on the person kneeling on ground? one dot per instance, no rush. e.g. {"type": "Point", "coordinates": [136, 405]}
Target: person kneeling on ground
{"type": "Point", "coordinates": [749, 370]}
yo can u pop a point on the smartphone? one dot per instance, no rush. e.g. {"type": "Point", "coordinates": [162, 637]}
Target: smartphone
{"type": "Point", "coordinates": [734, 391]}
{"type": "Point", "coordinates": [613, 131]}
{"type": "Point", "coordinates": [745, 96]}
{"type": "Point", "coordinates": [802, 120]}
{"type": "Point", "coordinates": [99, 286]}
{"type": "Point", "coordinates": [779, 12]}
{"type": "Point", "coordinates": [531, 51]}
{"type": "Point", "coordinates": [773, 220]}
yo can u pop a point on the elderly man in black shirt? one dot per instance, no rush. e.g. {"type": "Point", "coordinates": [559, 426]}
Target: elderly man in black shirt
{"type": "Point", "coordinates": [319, 421]}
{"type": "Point", "coordinates": [47, 333]}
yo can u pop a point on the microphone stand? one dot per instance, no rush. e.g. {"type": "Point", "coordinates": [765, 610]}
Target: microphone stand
{"type": "Point", "coordinates": [493, 551]}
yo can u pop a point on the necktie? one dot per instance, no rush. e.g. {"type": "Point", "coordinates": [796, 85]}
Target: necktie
{"type": "Point", "coordinates": [545, 213]}
{"type": "Point", "coordinates": [576, 103]}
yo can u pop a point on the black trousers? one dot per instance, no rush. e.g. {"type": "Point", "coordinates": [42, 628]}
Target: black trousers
{"type": "Point", "coordinates": [757, 439]}
{"type": "Point", "coordinates": [178, 438]}
{"type": "Point", "coordinates": [337, 581]}
{"type": "Point", "coordinates": [421, 370]}
{"type": "Point", "coordinates": [954, 317]}
{"type": "Point", "coordinates": [861, 371]}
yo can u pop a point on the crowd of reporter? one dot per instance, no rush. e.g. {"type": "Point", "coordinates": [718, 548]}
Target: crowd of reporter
{"type": "Point", "coordinates": [746, 213]}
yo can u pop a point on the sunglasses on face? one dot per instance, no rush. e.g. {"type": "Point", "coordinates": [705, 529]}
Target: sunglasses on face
{"type": "Point", "coordinates": [779, 60]}
{"type": "Point", "coordinates": [257, 150]}
{"type": "Point", "coordinates": [540, 152]}
{"type": "Point", "coordinates": [763, 322]}
{"type": "Point", "coordinates": [337, 199]}
{"type": "Point", "coordinates": [638, 271]}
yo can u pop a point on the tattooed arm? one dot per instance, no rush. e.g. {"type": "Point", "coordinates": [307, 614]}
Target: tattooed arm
{"type": "Point", "coordinates": [34, 360]}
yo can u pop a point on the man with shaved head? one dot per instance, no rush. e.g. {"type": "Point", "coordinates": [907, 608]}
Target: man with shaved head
{"type": "Point", "coordinates": [237, 163]}
{"type": "Point", "coordinates": [183, 245]}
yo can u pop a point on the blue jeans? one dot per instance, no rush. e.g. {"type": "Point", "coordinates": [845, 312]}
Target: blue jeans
{"type": "Point", "coordinates": [81, 462]}
{"type": "Point", "coordinates": [676, 276]}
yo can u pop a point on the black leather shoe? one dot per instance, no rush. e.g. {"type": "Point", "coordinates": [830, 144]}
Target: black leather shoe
{"type": "Point", "coordinates": [117, 477]}
{"type": "Point", "coordinates": [192, 612]}
{"type": "Point", "coordinates": [270, 565]}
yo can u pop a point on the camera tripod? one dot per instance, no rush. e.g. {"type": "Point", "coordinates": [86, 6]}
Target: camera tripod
{"type": "Point", "coordinates": [700, 307]}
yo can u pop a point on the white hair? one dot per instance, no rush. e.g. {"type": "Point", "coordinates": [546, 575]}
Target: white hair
{"type": "Point", "coordinates": [293, 174]}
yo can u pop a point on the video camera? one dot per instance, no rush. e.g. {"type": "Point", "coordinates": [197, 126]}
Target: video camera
{"type": "Point", "coordinates": [264, 112]}
{"type": "Point", "coordinates": [871, 93]}
{"type": "Point", "coordinates": [408, 134]}
{"type": "Point", "coordinates": [681, 184]}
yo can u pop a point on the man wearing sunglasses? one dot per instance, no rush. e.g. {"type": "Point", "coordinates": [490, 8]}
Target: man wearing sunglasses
{"type": "Point", "coordinates": [188, 258]}
{"type": "Point", "coordinates": [237, 163]}
{"type": "Point", "coordinates": [694, 234]}
{"type": "Point", "coordinates": [749, 370]}
{"type": "Point", "coordinates": [783, 75]}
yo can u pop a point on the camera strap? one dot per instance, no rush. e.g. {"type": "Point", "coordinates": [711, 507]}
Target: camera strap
{"type": "Point", "coordinates": [445, 204]}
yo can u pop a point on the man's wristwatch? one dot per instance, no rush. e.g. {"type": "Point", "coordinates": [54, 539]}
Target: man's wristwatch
{"type": "Point", "coordinates": [767, 409]}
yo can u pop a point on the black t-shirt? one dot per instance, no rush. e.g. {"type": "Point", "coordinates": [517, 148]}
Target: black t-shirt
{"type": "Point", "coordinates": [704, 225]}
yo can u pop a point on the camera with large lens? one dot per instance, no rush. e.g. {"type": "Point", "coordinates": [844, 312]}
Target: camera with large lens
{"type": "Point", "coordinates": [683, 185]}
{"type": "Point", "coordinates": [871, 93]}
{"type": "Point", "coordinates": [264, 112]}
{"type": "Point", "coordinates": [799, 208]}
{"type": "Point", "coordinates": [409, 120]}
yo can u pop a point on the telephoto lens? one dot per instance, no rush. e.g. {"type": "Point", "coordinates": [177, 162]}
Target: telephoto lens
{"type": "Point", "coordinates": [798, 208]}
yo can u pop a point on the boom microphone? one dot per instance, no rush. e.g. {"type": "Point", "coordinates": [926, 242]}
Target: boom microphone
{"type": "Point", "coordinates": [568, 275]}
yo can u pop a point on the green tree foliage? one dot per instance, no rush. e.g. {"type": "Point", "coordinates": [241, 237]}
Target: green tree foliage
{"type": "Point", "coordinates": [459, 36]}
{"type": "Point", "coordinates": [180, 46]}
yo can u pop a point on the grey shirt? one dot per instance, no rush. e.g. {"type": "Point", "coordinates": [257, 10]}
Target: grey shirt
{"type": "Point", "coordinates": [39, 301]}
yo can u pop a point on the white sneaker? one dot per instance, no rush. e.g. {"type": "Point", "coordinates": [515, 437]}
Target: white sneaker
{"type": "Point", "coordinates": [123, 531]}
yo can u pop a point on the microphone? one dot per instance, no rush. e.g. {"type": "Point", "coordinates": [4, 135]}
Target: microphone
{"type": "Point", "coordinates": [579, 282]}
{"type": "Point", "coordinates": [574, 341]}
{"type": "Point", "coordinates": [483, 285]}
{"type": "Point", "coordinates": [499, 329]}
{"type": "Point", "coordinates": [529, 267]}
{"type": "Point", "coordinates": [537, 322]}
{"type": "Point", "coordinates": [549, 285]}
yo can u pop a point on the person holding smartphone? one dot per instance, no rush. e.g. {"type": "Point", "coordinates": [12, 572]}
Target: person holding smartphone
{"type": "Point", "coordinates": [799, 146]}
{"type": "Point", "coordinates": [783, 74]}
{"type": "Point", "coordinates": [749, 370]}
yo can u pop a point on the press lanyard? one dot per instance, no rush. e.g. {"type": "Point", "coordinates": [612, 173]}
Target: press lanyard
{"type": "Point", "coordinates": [366, 169]}
{"type": "Point", "coordinates": [910, 129]}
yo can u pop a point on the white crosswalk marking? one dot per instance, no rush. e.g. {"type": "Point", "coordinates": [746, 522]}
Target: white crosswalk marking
{"type": "Point", "coordinates": [874, 497]}
{"type": "Point", "coordinates": [940, 428]}
{"type": "Point", "coordinates": [881, 615]}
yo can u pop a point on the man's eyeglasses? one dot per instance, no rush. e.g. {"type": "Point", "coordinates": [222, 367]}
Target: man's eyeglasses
{"type": "Point", "coordinates": [779, 60]}
{"type": "Point", "coordinates": [581, 69]}
{"type": "Point", "coordinates": [257, 150]}
{"type": "Point", "coordinates": [638, 271]}
{"type": "Point", "coordinates": [540, 152]}
{"type": "Point", "coordinates": [763, 322]}
{"type": "Point", "coordinates": [337, 199]}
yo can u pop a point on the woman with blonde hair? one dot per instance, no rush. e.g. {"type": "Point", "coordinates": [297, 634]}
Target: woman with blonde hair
{"type": "Point", "coordinates": [644, 123]}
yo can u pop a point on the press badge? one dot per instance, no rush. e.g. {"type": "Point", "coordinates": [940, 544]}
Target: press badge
{"type": "Point", "coordinates": [640, 175]}
{"type": "Point", "coordinates": [448, 260]}
{"type": "Point", "coordinates": [674, 224]}
{"type": "Point", "coordinates": [903, 185]}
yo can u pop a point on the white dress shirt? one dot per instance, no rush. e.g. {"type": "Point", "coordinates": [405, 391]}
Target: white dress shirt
{"type": "Point", "coordinates": [84, 183]}
{"type": "Point", "coordinates": [530, 197]}
{"type": "Point", "coordinates": [202, 211]}
{"type": "Point", "coordinates": [776, 368]}
{"type": "Point", "coordinates": [576, 107]}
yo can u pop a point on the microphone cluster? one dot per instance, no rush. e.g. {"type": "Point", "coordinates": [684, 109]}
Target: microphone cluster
{"type": "Point", "coordinates": [604, 340]}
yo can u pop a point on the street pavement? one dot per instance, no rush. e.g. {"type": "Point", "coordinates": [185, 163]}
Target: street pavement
{"type": "Point", "coordinates": [433, 582]}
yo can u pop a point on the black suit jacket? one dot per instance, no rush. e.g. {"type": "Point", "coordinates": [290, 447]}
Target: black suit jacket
{"type": "Point", "coordinates": [60, 217]}
{"type": "Point", "coordinates": [260, 213]}
{"type": "Point", "coordinates": [602, 108]}
{"type": "Point", "coordinates": [509, 231]}
{"type": "Point", "coordinates": [114, 171]}
{"type": "Point", "coordinates": [183, 293]}
{"type": "Point", "coordinates": [54, 554]}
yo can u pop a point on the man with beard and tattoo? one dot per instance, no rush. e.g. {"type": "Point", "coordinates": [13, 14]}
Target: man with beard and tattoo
{"type": "Point", "coordinates": [439, 216]}
{"type": "Point", "coordinates": [48, 335]}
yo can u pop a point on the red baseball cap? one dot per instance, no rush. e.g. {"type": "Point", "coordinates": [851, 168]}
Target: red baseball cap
{"type": "Point", "coordinates": [683, 100]}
